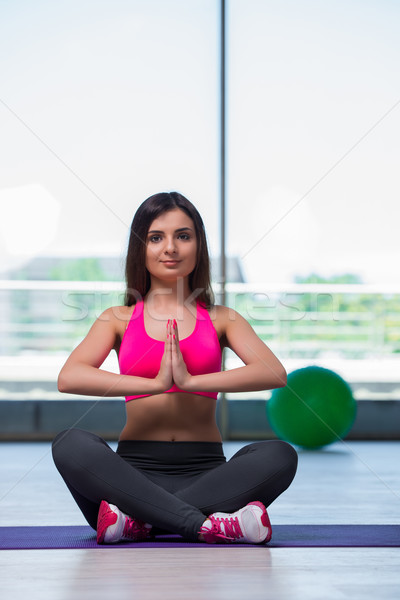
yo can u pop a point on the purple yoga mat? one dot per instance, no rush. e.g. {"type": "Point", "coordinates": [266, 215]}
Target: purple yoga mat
{"type": "Point", "coordinates": [283, 536]}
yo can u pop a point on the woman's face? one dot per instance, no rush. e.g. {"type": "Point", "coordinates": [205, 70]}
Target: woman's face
{"type": "Point", "coordinates": [171, 246]}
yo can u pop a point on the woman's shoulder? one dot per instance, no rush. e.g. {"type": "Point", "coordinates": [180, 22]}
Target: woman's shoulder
{"type": "Point", "coordinates": [119, 316]}
{"type": "Point", "coordinates": [219, 311]}
{"type": "Point", "coordinates": [118, 312]}
{"type": "Point", "coordinates": [221, 316]}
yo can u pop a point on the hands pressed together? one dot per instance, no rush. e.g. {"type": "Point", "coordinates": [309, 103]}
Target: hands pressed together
{"type": "Point", "coordinates": [173, 368]}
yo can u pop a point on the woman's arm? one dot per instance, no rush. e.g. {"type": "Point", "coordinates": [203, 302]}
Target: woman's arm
{"type": "Point", "coordinates": [262, 370]}
{"type": "Point", "coordinates": [81, 374]}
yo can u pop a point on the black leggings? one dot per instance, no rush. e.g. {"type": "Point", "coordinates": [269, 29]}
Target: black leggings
{"type": "Point", "coordinates": [173, 486]}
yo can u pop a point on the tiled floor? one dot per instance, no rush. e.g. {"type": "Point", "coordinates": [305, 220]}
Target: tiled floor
{"type": "Point", "coordinates": [355, 482]}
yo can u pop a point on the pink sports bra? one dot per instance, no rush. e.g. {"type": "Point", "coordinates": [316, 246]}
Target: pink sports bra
{"type": "Point", "coordinates": [140, 355]}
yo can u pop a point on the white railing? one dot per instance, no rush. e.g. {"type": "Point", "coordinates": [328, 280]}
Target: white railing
{"type": "Point", "coordinates": [351, 321]}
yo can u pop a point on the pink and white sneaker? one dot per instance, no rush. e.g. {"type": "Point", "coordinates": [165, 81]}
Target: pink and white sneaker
{"type": "Point", "coordinates": [249, 525]}
{"type": "Point", "coordinates": [113, 525]}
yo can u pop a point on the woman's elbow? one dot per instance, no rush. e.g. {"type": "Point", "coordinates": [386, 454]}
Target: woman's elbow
{"type": "Point", "coordinates": [281, 378]}
{"type": "Point", "coordinates": [62, 383]}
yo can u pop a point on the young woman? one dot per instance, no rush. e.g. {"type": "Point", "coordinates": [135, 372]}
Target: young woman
{"type": "Point", "coordinates": [169, 472]}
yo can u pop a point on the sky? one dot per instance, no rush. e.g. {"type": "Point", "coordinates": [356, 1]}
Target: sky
{"type": "Point", "coordinates": [104, 103]}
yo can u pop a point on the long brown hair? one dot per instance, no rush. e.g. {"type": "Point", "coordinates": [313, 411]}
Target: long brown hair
{"type": "Point", "coordinates": [137, 276]}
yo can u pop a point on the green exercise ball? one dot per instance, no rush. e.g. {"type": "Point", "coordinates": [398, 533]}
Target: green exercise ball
{"type": "Point", "coordinates": [315, 408]}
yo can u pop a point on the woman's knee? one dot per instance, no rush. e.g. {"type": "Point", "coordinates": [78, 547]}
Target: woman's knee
{"type": "Point", "coordinates": [280, 460]}
{"type": "Point", "coordinates": [68, 442]}
{"type": "Point", "coordinates": [288, 456]}
{"type": "Point", "coordinates": [278, 453]}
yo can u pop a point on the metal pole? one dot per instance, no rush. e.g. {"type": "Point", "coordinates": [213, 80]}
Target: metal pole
{"type": "Point", "coordinates": [222, 156]}
{"type": "Point", "coordinates": [224, 406]}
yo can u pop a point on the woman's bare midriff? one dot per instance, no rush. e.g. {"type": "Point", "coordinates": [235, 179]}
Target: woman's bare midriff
{"type": "Point", "coordinates": [172, 417]}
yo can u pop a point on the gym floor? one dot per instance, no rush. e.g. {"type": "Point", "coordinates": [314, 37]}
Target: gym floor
{"type": "Point", "coordinates": [355, 482]}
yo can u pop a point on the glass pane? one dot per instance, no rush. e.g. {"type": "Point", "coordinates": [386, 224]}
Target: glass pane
{"type": "Point", "coordinates": [314, 114]}
{"type": "Point", "coordinates": [313, 145]}
{"type": "Point", "coordinates": [102, 105]}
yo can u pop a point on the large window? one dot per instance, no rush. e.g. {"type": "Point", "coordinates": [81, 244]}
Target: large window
{"type": "Point", "coordinates": [313, 186]}
{"type": "Point", "coordinates": [102, 104]}
{"type": "Point", "coordinates": [106, 103]}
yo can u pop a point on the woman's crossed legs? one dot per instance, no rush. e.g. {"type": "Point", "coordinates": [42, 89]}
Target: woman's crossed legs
{"type": "Point", "coordinates": [93, 472]}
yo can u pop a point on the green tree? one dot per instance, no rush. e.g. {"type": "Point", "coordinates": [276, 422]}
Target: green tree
{"type": "Point", "coordinates": [82, 269]}
{"type": "Point", "coordinates": [315, 278]}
